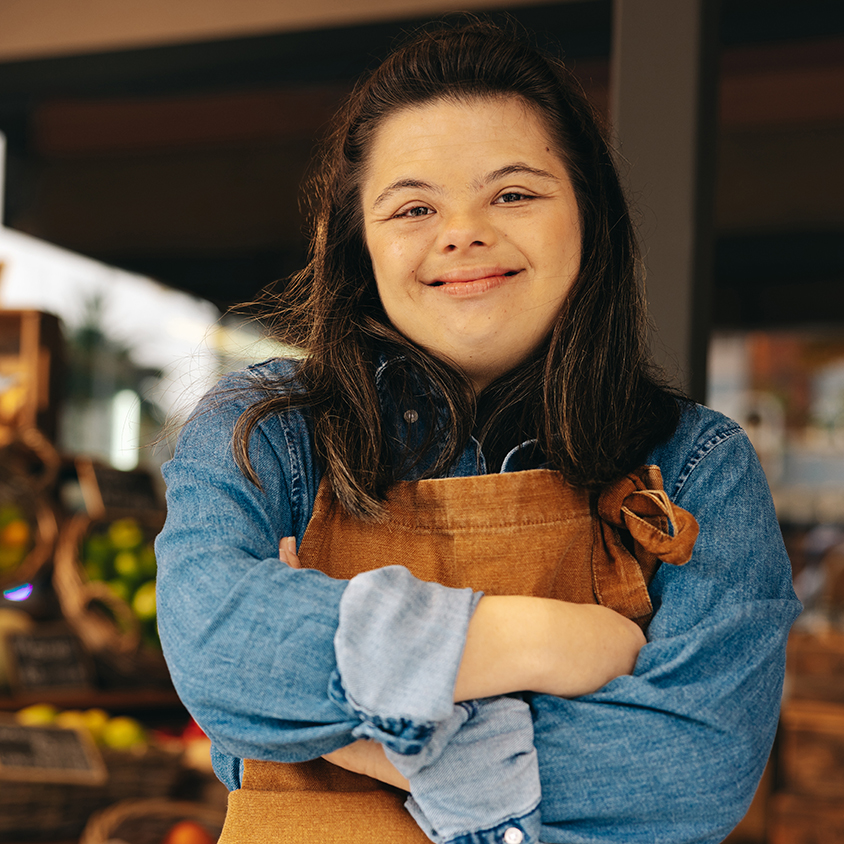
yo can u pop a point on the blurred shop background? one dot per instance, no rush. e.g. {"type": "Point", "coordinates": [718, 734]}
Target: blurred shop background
{"type": "Point", "coordinates": [151, 159]}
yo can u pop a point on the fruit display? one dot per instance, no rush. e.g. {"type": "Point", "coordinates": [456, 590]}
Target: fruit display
{"type": "Point", "coordinates": [171, 821]}
{"type": "Point", "coordinates": [16, 536]}
{"type": "Point", "coordinates": [120, 554]}
{"type": "Point", "coordinates": [115, 733]}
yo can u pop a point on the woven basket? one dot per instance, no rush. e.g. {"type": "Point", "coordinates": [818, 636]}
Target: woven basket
{"type": "Point", "coordinates": [148, 821]}
{"type": "Point", "coordinates": [31, 811]}
{"type": "Point", "coordinates": [28, 467]}
{"type": "Point", "coordinates": [103, 621]}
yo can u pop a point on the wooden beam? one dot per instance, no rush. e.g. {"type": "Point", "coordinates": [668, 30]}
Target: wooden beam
{"type": "Point", "coordinates": [770, 85]}
{"type": "Point", "coordinates": [104, 126]}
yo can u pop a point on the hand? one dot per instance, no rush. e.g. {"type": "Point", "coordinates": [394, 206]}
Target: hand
{"type": "Point", "coordinates": [367, 757]}
{"type": "Point", "coordinates": [287, 552]}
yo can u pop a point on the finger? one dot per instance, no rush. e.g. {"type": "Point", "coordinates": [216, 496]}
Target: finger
{"type": "Point", "coordinates": [291, 552]}
{"type": "Point", "coordinates": [287, 552]}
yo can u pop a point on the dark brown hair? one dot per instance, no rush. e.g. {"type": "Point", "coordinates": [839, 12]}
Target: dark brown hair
{"type": "Point", "coordinates": [588, 395]}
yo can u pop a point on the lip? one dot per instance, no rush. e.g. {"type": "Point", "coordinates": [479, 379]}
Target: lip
{"type": "Point", "coordinates": [471, 275]}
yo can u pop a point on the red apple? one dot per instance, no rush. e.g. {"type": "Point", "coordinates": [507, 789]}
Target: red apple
{"type": "Point", "coordinates": [188, 832]}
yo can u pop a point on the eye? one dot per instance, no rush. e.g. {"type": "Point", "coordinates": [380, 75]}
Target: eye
{"type": "Point", "coordinates": [415, 211]}
{"type": "Point", "coordinates": [513, 196]}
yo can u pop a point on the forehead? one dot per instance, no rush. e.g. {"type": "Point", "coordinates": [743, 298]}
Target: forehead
{"type": "Point", "coordinates": [459, 132]}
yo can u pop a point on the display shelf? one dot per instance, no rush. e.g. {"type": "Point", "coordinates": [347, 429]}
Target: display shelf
{"type": "Point", "coordinates": [43, 841]}
{"type": "Point", "coordinates": [109, 699]}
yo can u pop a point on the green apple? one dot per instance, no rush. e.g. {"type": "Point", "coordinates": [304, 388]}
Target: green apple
{"type": "Point", "coordinates": [143, 603]}
{"type": "Point", "coordinates": [126, 565]}
{"type": "Point", "coordinates": [37, 715]}
{"type": "Point", "coordinates": [71, 719]}
{"type": "Point", "coordinates": [123, 733]}
{"type": "Point", "coordinates": [95, 721]}
{"type": "Point", "coordinates": [125, 534]}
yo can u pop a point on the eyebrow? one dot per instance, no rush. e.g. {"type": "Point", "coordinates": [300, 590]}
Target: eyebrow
{"type": "Point", "coordinates": [517, 169]}
{"type": "Point", "coordinates": [404, 183]}
{"type": "Point", "coordinates": [514, 169]}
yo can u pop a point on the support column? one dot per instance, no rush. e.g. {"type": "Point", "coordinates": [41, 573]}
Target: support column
{"type": "Point", "coordinates": [663, 100]}
{"type": "Point", "coordinates": [2, 176]}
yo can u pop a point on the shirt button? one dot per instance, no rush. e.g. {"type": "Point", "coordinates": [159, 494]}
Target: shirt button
{"type": "Point", "coordinates": [513, 836]}
{"type": "Point", "coordinates": [410, 416]}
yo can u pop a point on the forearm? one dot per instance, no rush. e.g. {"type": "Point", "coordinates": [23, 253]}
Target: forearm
{"type": "Point", "coordinates": [512, 644]}
{"type": "Point", "coordinates": [519, 643]}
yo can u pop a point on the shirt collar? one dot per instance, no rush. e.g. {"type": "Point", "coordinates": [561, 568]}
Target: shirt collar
{"type": "Point", "coordinates": [406, 424]}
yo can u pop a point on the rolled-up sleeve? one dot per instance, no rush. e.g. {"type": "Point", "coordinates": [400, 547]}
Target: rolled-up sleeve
{"type": "Point", "coordinates": [477, 780]}
{"type": "Point", "coordinates": [252, 645]}
{"type": "Point", "coordinates": [398, 645]}
{"type": "Point", "coordinates": [248, 640]}
{"type": "Point", "coordinates": [674, 752]}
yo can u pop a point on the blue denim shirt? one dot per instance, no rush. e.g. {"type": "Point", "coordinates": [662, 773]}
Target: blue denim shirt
{"type": "Point", "coordinates": [284, 664]}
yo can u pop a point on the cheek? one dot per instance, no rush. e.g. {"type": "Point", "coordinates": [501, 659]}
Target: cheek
{"type": "Point", "coordinates": [566, 250]}
{"type": "Point", "coordinates": [396, 259]}
{"type": "Point", "coordinates": [390, 273]}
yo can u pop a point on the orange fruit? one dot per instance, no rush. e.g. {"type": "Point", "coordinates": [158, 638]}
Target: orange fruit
{"type": "Point", "coordinates": [15, 534]}
{"type": "Point", "coordinates": [188, 832]}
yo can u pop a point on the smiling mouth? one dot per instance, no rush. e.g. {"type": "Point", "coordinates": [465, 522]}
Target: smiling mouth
{"type": "Point", "coordinates": [508, 274]}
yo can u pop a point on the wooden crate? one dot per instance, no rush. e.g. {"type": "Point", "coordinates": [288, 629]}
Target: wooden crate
{"type": "Point", "coordinates": [39, 811]}
{"type": "Point", "coordinates": [833, 570]}
{"type": "Point", "coordinates": [811, 760]}
{"type": "Point", "coordinates": [815, 666]}
{"type": "Point", "coordinates": [797, 819]}
{"type": "Point", "coordinates": [28, 467]}
{"type": "Point", "coordinates": [30, 357]}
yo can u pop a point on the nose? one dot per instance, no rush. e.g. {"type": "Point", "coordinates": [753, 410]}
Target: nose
{"type": "Point", "coordinates": [465, 228]}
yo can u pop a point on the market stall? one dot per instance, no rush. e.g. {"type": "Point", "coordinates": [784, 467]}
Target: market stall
{"type": "Point", "coordinates": [94, 742]}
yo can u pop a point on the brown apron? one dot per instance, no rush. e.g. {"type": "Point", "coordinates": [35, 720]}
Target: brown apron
{"type": "Point", "coordinates": [516, 533]}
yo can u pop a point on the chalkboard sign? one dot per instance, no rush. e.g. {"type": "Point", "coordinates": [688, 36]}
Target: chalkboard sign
{"type": "Point", "coordinates": [46, 659]}
{"type": "Point", "coordinates": [49, 754]}
{"type": "Point", "coordinates": [113, 492]}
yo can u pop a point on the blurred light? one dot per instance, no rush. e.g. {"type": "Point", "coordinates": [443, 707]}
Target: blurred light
{"type": "Point", "coordinates": [18, 593]}
{"type": "Point", "coordinates": [125, 430]}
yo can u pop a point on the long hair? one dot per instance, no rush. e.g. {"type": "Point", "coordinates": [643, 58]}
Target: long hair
{"type": "Point", "coordinates": [588, 395]}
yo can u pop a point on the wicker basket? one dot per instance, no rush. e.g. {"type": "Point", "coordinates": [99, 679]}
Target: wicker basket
{"type": "Point", "coordinates": [103, 621]}
{"type": "Point", "coordinates": [32, 811]}
{"type": "Point", "coordinates": [28, 467]}
{"type": "Point", "coordinates": [147, 821]}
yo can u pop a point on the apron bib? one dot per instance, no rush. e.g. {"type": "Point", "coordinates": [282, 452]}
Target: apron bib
{"type": "Point", "coordinates": [516, 533]}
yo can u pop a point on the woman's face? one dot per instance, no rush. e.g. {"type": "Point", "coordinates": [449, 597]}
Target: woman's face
{"type": "Point", "coordinates": [473, 230]}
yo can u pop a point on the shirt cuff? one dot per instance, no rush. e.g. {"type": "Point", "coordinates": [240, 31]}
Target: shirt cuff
{"type": "Point", "coordinates": [398, 646]}
{"type": "Point", "coordinates": [477, 780]}
{"type": "Point", "coordinates": [523, 830]}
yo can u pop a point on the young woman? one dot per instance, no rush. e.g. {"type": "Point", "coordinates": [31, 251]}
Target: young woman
{"type": "Point", "coordinates": [426, 548]}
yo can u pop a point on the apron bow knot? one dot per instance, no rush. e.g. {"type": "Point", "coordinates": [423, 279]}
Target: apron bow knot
{"type": "Point", "coordinates": [659, 527]}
